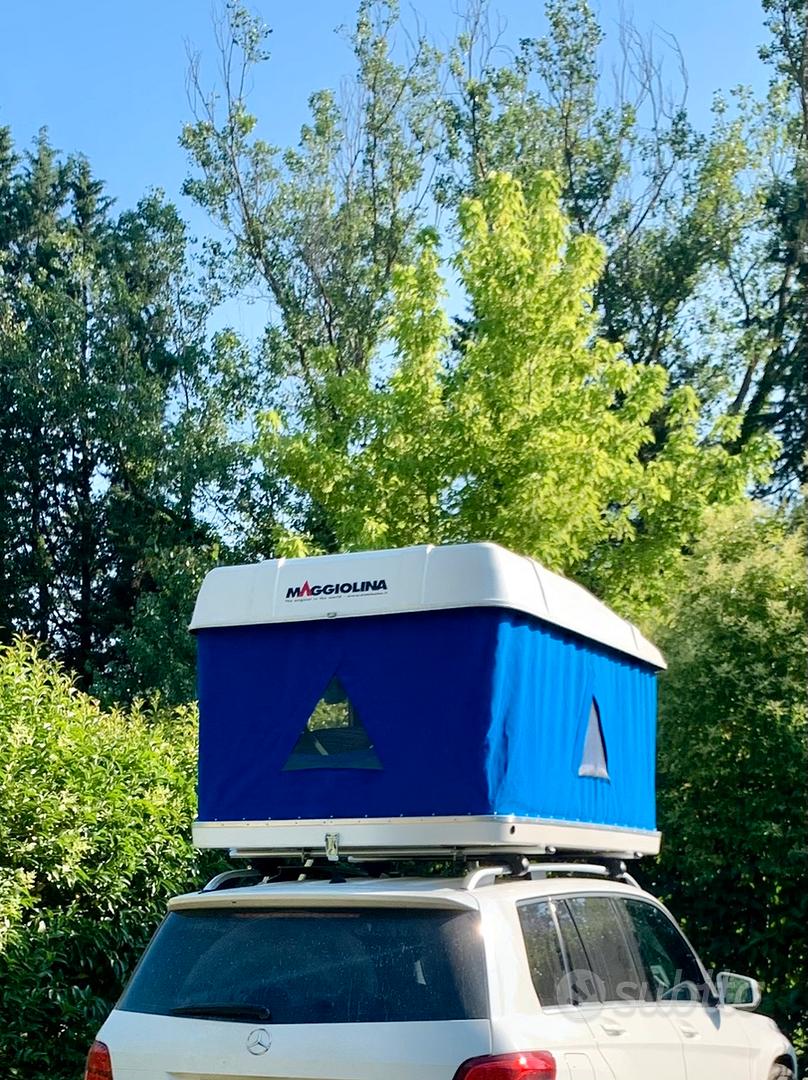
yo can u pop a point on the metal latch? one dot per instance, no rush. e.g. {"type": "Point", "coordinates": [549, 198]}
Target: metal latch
{"type": "Point", "coordinates": [332, 846]}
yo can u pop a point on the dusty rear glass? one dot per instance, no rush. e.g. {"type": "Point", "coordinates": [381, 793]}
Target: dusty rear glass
{"type": "Point", "coordinates": [304, 966]}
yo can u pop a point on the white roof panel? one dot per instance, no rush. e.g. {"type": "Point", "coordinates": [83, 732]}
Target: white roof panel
{"type": "Point", "coordinates": [422, 578]}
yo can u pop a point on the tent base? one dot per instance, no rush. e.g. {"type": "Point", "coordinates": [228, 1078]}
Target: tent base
{"type": "Point", "coordinates": [402, 837]}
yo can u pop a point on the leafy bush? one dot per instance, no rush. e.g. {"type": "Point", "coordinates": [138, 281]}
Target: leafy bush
{"type": "Point", "coordinates": [733, 761]}
{"type": "Point", "coordinates": [95, 821]}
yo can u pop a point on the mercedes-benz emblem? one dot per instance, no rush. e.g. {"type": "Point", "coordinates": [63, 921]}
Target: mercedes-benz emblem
{"type": "Point", "coordinates": [259, 1041]}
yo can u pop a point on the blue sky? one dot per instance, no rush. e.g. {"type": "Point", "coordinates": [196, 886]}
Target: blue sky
{"type": "Point", "coordinates": [107, 77]}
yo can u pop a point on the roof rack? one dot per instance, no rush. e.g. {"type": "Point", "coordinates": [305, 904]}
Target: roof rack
{"type": "Point", "coordinates": [476, 872]}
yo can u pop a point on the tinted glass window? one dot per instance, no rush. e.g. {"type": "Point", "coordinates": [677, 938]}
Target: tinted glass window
{"type": "Point", "coordinates": [670, 970]}
{"type": "Point", "coordinates": [582, 986]}
{"type": "Point", "coordinates": [544, 952]}
{"type": "Point", "coordinates": [308, 966]}
{"type": "Point", "coordinates": [615, 975]}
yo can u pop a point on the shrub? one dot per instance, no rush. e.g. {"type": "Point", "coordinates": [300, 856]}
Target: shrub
{"type": "Point", "coordinates": [95, 819]}
{"type": "Point", "coordinates": [733, 757]}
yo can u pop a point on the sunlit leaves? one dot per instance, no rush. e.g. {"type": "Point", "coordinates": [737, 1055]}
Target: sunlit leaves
{"type": "Point", "coordinates": [530, 430]}
{"type": "Point", "coordinates": [95, 816]}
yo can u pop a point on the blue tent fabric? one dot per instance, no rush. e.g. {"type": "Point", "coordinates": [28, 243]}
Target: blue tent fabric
{"type": "Point", "coordinates": [470, 712]}
{"type": "Point", "coordinates": [541, 699]}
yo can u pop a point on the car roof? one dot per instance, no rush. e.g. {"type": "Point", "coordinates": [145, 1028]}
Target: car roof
{"type": "Point", "coordinates": [401, 892]}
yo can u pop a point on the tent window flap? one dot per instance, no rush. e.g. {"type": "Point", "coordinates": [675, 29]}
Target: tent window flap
{"type": "Point", "coordinates": [594, 761]}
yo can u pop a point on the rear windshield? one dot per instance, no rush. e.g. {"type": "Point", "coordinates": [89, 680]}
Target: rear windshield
{"type": "Point", "coordinates": [308, 966]}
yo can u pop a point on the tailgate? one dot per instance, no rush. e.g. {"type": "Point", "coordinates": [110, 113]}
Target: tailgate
{"type": "Point", "coordinates": [162, 1048]}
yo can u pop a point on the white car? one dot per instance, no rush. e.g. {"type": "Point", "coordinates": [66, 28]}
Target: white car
{"type": "Point", "coordinates": [553, 975]}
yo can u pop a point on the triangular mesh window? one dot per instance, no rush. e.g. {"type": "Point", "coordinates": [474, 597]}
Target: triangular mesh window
{"type": "Point", "coordinates": [334, 736]}
{"type": "Point", "coordinates": [594, 761]}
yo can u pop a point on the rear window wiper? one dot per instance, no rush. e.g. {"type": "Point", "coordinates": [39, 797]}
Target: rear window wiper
{"type": "Point", "coordinates": [223, 1011]}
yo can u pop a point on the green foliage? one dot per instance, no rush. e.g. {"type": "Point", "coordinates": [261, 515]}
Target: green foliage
{"type": "Point", "coordinates": [114, 414]}
{"type": "Point", "coordinates": [95, 817]}
{"type": "Point", "coordinates": [529, 433]}
{"type": "Point", "coordinates": [705, 233]}
{"type": "Point", "coordinates": [733, 755]}
{"type": "Point", "coordinates": [698, 232]}
{"type": "Point", "coordinates": [318, 226]}
{"type": "Point", "coordinates": [156, 651]}
{"type": "Point", "coordinates": [771, 292]}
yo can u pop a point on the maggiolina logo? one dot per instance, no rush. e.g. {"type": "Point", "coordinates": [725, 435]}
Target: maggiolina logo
{"type": "Point", "coordinates": [337, 588]}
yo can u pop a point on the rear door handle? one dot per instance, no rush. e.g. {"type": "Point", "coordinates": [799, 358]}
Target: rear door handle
{"type": "Point", "coordinates": [688, 1032]}
{"type": "Point", "coordinates": [613, 1029]}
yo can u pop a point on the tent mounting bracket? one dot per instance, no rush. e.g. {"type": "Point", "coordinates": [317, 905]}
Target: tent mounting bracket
{"type": "Point", "coordinates": [332, 846]}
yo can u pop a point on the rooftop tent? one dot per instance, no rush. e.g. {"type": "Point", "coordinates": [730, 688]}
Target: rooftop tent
{"type": "Point", "coordinates": [457, 696]}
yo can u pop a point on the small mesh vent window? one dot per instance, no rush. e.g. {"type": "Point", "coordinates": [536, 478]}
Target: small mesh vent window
{"type": "Point", "coordinates": [334, 736]}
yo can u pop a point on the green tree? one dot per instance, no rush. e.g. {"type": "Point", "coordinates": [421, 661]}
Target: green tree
{"type": "Point", "coordinates": [635, 173]}
{"type": "Point", "coordinates": [95, 817]}
{"type": "Point", "coordinates": [704, 233]}
{"type": "Point", "coordinates": [733, 755]}
{"type": "Point", "coordinates": [318, 227]}
{"type": "Point", "coordinates": [685, 217]}
{"type": "Point", "coordinates": [768, 272]}
{"type": "Point", "coordinates": [529, 432]}
{"type": "Point", "coordinates": [114, 413]}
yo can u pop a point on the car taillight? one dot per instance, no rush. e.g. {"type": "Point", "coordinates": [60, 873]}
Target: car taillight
{"type": "Point", "coordinates": [99, 1066]}
{"type": "Point", "coordinates": [526, 1065]}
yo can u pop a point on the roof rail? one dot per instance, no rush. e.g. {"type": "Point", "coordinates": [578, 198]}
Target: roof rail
{"type": "Point", "coordinates": [609, 868]}
{"type": "Point", "coordinates": [228, 879]}
{"type": "Point", "coordinates": [484, 875]}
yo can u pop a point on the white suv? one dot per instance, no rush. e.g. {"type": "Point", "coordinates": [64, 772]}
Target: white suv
{"type": "Point", "coordinates": [477, 978]}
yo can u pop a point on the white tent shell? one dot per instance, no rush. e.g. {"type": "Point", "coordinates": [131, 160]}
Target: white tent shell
{"type": "Point", "coordinates": [424, 578]}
